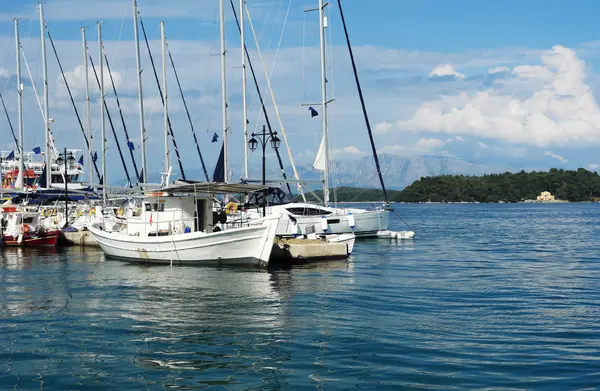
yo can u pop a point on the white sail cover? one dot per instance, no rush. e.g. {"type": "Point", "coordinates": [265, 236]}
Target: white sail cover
{"type": "Point", "coordinates": [319, 163]}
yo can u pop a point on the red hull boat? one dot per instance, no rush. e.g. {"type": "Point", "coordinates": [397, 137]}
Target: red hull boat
{"type": "Point", "coordinates": [46, 239]}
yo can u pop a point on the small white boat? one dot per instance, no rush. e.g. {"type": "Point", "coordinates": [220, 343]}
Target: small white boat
{"type": "Point", "coordinates": [183, 230]}
{"type": "Point", "coordinates": [396, 234]}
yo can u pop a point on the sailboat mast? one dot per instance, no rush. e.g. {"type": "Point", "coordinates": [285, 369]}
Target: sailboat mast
{"type": "Point", "coordinates": [165, 94]}
{"type": "Point", "coordinates": [224, 91]}
{"type": "Point", "coordinates": [244, 92]}
{"type": "Point", "coordinates": [88, 114]}
{"type": "Point", "coordinates": [322, 26]}
{"type": "Point", "coordinates": [102, 116]}
{"type": "Point", "coordinates": [46, 114]}
{"type": "Point", "coordinates": [19, 105]}
{"type": "Point", "coordinates": [140, 92]}
{"type": "Point", "coordinates": [362, 103]}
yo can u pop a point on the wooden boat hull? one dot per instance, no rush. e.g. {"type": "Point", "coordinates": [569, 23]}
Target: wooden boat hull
{"type": "Point", "coordinates": [48, 239]}
{"type": "Point", "coordinates": [249, 245]}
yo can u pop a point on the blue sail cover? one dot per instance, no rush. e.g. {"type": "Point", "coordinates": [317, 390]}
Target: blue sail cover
{"type": "Point", "coordinates": [219, 174]}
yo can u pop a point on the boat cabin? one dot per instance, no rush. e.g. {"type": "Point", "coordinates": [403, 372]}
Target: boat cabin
{"type": "Point", "coordinates": [15, 222]}
{"type": "Point", "coordinates": [184, 208]}
{"type": "Point", "coordinates": [163, 214]}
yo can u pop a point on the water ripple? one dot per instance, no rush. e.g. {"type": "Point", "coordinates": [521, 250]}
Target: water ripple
{"type": "Point", "coordinates": [502, 297]}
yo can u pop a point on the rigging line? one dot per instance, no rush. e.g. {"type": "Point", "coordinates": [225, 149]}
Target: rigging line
{"type": "Point", "coordinates": [163, 101]}
{"type": "Point", "coordinates": [303, 57]}
{"type": "Point", "coordinates": [112, 81]}
{"type": "Point", "coordinates": [289, 151]}
{"type": "Point", "coordinates": [9, 121]}
{"type": "Point", "coordinates": [8, 56]}
{"type": "Point", "coordinates": [62, 72]}
{"type": "Point", "coordinates": [262, 101]}
{"type": "Point", "coordinates": [120, 33]}
{"type": "Point", "coordinates": [110, 121]}
{"type": "Point", "coordinates": [277, 51]}
{"type": "Point", "coordinates": [189, 117]}
{"type": "Point", "coordinates": [362, 102]}
{"type": "Point", "coordinates": [37, 97]}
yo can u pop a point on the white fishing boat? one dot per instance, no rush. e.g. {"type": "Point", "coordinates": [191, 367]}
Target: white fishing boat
{"type": "Point", "coordinates": [178, 226]}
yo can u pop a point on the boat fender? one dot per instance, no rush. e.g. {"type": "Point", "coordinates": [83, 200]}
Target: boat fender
{"type": "Point", "coordinates": [20, 238]}
{"type": "Point", "coordinates": [351, 221]}
{"type": "Point", "coordinates": [324, 226]}
{"type": "Point", "coordinates": [187, 229]}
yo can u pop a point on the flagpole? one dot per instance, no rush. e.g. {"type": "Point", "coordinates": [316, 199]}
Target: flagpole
{"type": "Point", "coordinates": [19, 106]}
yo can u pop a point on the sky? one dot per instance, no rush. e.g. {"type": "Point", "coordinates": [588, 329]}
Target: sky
{"type": "Point", "coordinates": [507, 83]}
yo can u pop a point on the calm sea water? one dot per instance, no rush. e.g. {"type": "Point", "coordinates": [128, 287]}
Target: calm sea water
{"type": "Point", "coordinates": [486, 297]}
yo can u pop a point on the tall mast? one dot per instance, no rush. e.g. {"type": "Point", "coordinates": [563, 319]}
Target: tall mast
{"type": "Point", "coordinates": [140, 94]}
{"type": "Point", "coordinates": [165, 95]}
{"type": "Point", "coordinates": [244, 97]}
{"type": "Point", "coordinates": [19, 105]}
{"type": "Point", "coordinates": [224, 91]}
{"type": "Point", "coordinates": [46, 114]}
{"type": "Point", "coordinates": [102, 116]}
{"type": "Point", "coordinates": [322, 26]}
{"type": "Point", "coordinates": [88, 114]}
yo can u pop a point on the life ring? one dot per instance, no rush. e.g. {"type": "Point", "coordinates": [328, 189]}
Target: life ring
{"type": "Point", "coordinates": [231, 208]}
{"type": "Point", "coordinates": [24, 228]}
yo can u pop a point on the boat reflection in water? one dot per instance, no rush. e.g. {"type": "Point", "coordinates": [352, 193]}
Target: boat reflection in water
{"type": "Point", "coordinates": [210, 321]}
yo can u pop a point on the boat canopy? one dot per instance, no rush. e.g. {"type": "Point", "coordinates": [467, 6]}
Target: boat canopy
{"type": "Point", "coordinates": [181, 187]}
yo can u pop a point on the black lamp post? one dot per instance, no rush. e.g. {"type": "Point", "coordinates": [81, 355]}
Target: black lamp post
{"type": "Point", "coordinates": [63, 159]}
{"type": "Point", "coordinates": [263, 138]}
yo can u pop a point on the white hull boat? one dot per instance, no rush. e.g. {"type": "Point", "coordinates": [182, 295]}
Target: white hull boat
{"type": "Point", "coordinates": [304, 218]}
{"type": "Point", "coordinates": [183, 230]}
{"type": "Point", "coordinates": [250, 245]}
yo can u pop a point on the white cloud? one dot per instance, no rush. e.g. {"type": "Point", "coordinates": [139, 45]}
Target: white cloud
{"type": "Point", "coordinates": [483, 145]}
{"type": "Point", "coordinates": [500, 69]}
{"type": "Point", "coordinates": [429, 143]}
{"type": "Point", "coordinates": [560, 109]}
{"type": "Point", "coordinates": [423, 145]}
{"type": "Point", "coordinates": [459, 138]}
{"type": "Point", "coordinates": [4, 72]}
{"type": "Point", "coordinates": [349, 150]}
{"type": "Point", "coordinates": [556, 156]}
{"type": "Point", "coordinates": [383, 127]}
{"type": "Point", "coordinates": [445, 70]}
{"type": "Point", "coordinates": [593, 166]}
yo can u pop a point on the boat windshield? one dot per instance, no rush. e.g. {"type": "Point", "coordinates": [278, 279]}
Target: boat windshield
{"type": "Point", "coordinates": [275, 196]}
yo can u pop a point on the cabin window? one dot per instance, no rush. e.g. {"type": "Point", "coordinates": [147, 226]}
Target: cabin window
{"type": "Point", "coordinates": [28, 220]}
{"type": "Point", "coordinates": [154, 207]}
{"type": "Point", "coordinates": [308, 211]}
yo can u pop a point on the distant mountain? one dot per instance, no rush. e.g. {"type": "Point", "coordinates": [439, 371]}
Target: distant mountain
{"type": "Point", "coordinates": [398, 172]}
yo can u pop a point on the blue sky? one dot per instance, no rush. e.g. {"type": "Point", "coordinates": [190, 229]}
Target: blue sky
{"type": "Point", "coordinates": [512, 83]}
